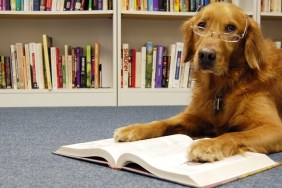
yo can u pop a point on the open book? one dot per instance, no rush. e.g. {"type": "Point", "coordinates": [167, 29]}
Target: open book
{"type": "Point", "coordinates": [166, 158]}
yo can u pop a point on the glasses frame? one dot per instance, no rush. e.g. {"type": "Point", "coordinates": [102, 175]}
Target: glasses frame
{"type": "Point", "coordinates": [219, 34]}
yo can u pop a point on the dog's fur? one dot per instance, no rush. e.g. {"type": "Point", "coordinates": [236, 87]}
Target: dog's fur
{"type": "Point", "coordinates": [248, 75]}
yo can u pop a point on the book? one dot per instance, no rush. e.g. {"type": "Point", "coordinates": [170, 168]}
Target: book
{"type": "Point", "coordinates": [149, 64]}
{"type": "Point", "coordinates": [98, 74]}
{"type": "Point", "coordinates": [125, 66]}
{"type": "Point", "coordinates": [47, 44]}
{"type": "Point", "coordinates": [166, 158]}
{"type": "Point", "coordinates": [88, 66]}
{"type": "Point", "coordinates": [159, 66]}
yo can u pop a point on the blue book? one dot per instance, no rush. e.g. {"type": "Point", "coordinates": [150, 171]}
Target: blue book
{"type": "Point", "coordinates": [150, 5]}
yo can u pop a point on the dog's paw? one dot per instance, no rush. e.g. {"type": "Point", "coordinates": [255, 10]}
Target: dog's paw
{"type": "Point", "coordinates": [129, 133]}
{"type": "Point", "coordinates": [210, 150]}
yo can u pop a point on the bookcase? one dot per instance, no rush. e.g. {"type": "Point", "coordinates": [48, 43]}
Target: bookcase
{"type": "Point", "coordinates": [74, 28]}
{"type": "Point", "coordinates": [138, 27]}
{"type": "Point", "coordinates": [111, 29]}
{"type": "Point", "coordinates": [271, 25]}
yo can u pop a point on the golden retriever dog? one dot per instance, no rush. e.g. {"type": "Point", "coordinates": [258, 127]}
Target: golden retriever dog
{"type": "Point", "coordinates": [237, 95]}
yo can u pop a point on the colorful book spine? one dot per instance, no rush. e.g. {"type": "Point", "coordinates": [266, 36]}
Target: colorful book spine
{"type": "Point", "coordinates": [78, 66]}
{"type": "Point", "coordinates": [149, 64]}
{"type": "Point", "coordinates": [133, 67]}
{"type": "Point", "coordinates": [47, 43]}
{"type": "Point", "coordinates": [150, 5]}
{"type": "Point", "coordinates": [88, 66]}
{"type": "Point", "coordinates": [97, 65]}
{"type": "Point", "coordinates": [125, 65]}
{"type": "Point", "coordinates": [156, 5]}
{"type": "Point", "coordinates": [82, 72]}
{"type": "Point", "coordinates": [159, 64]}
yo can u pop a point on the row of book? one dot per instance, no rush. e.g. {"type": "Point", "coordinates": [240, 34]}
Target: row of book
{"type": "Point", "coordinates": [166, 5]}
{"type": "Point", "coordinates": [55, 5]}
{"type": "Point", "coordinates": [41, 66]}
{"type": "Point", "coordinates": [271, 5]}
{"type": "Point", "coordinates": [155, 67]}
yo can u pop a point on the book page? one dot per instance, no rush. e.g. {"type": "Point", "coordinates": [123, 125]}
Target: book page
{"type": "Point", "coordinates": [111, 150]}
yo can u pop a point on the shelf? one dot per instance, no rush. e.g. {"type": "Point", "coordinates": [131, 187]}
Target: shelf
{"type": "Point", "coordinates": [55, 14]}
{"type": "Point", "coordinates": [156, 15]}
{"type": "Point", "coordinates": [156, 97]}
{"type": "Point", "coordinates": [271, 15]}
{"type": "Point", "coordinates": [60, 97]}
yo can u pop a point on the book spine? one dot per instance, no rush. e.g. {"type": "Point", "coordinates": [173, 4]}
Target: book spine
{"type": "Point", "coordinates": [8, 72]}
{"type": "Point", "coordinates": [176, 5]}
{"type": "Point", "coordinates": [69, 72]}
{"type": "Point", "coordinates": [154, 66]}
{"type": "Point", "coordinates": [150, 5]}
{"type": "Point", "coordinates": [165, 72]}
{"type": "Point", "coordinates": [88, 66]}
{"type": "Point", "coordinates": [60, 72]}
{"type": "Point", "coordinates": [28, 68]}
{"type": "Point", "coordinates": [2, 72]}
{"type": "Point", "coordinates": [156, 5]}
{"type": "Point", "coordinates": [125, 66]}
{"type": "Point", "coordinates": [159, 64]}
{"type": "Point", "coordinates": [149, 64]}
{"type": "Point", "coordinates": [138, 69]}
{"type": "Point", "coordinates": [14, 70]}
{"type": "Point", "coordinates": [82, 72]}
{"type": "Point", "coordinates": [20, 56]}
{"type": "Point", "coordinates": [92, 71]}
{"type": "Point", "coordinates": [54, 67]}
{"type": "Point", "coordinates": [100, 5]}
{"type": "Point", "coordinates": [178, 61]}
{"type": "Point", "coordinates": [97, 64]}
{"type": "Point", "coordinates": [47, 43]}
{"type": "Point", "coordinates": [78, 66]}
{"type": "Point", "coordinates": [39, 66]}
{"type": "Point", "coordinates": [133, 67]}
{"type": "Point", "coordinates": [143, 69]}
{"type": "Point", "coordinates": [73, 68]}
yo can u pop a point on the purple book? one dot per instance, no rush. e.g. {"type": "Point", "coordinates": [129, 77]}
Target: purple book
{"type": "Point", "coordinates": [159, 66]}
{"type": "Point", "coordinates": [156, 5]}
{"type": "Point", "coordinates": [100, 5]}
{"type": "Point", "coordinates": [78, 52]}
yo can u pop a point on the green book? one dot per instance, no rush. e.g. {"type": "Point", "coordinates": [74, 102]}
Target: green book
{"type": "Point", "coordinates": [149, 64]}
{"type": "Point", "coordinates": [88, 66]}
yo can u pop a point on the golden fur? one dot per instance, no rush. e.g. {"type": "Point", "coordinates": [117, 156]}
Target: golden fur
{"type": "Point", "coordinates": [248, 75]}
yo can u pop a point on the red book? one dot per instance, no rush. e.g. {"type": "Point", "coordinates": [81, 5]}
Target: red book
{"type": "Point", "coordinates": [133, 68]}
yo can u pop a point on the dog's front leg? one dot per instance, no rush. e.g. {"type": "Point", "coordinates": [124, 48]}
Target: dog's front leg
{"type": "Point", "coordinates": [183, 123]}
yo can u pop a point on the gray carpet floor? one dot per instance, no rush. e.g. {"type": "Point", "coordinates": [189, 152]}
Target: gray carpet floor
{"type": "Point", "coordinates": [29, 135]}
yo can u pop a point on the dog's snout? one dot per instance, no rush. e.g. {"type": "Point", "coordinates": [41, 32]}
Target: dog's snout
{"type": "Point", "coordinates": [207, 56]}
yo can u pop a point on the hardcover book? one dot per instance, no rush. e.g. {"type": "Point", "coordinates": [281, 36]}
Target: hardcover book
{"type": "Point", "coordinates": [149, 64]}
{"type": "Point", "coordinates": [47, 43]}
{"type": "Point", "coordinates": [166, 158]}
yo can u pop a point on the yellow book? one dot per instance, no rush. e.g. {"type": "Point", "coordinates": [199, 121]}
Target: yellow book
{"type": "Point", "coordinates": [47, 43]}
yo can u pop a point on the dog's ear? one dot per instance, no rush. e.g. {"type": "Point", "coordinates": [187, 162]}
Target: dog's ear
{"type": "Point", "coordinates": [254, 45]}
{"type": "Point", "coordinates": [188, 40]}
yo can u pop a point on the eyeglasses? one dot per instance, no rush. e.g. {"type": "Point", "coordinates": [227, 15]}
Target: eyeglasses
{"type": "Point", "coordinates": [227, 37]}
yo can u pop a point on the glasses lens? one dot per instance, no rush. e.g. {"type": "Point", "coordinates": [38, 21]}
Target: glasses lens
{"type": "Point", "coordinates": [229, 37]}
{"type": "Point", "coordinates": [200, 30]}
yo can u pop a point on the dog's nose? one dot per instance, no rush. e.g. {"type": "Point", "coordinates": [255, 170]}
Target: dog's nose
{"type": "Point", "coordinates": [207, 56]}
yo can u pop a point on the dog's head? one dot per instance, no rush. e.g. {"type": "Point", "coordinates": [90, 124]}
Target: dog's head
{"type": "Point", "coordinates": [220, 34]}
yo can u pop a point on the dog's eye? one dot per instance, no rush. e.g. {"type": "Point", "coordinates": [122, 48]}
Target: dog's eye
{"type": "Point", "coordinates": [230, 28]}
{"type": "Point", "coordinates": [202, 24]}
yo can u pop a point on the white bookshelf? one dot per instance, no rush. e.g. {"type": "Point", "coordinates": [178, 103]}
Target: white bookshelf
{"type": "Point", "coordinates": [74, 28]}
{"type": "Point", "coordinates": [110, 28]}
{"type": "Point", "coordinates": [138, 27]}
{"type": "Point", "coordinates": [271, 25]}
